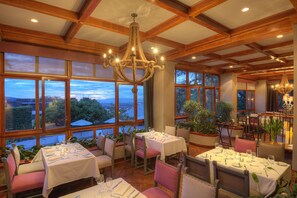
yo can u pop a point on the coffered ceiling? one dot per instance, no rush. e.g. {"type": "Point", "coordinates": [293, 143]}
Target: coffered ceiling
{"type": "Point", "coordinates": [206, 35]}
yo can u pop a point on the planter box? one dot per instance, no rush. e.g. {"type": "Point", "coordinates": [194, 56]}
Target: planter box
{"type": "Point", "coordinates": [204, 140]}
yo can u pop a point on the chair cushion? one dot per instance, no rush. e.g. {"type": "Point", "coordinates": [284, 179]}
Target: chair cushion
{"type": "Point", "coordinates": [31, 167]}
{"type": "Point", "coordinates": [104, 161]}
{"type": "Point", "coordinates": [170, 130]}
{"type": "Point", "coordinates": [241, 145]}
{"type": "Point", "coordinates": [109, 146]}
{"type": "Point", "coordinates": [150, 153]}
{"type": "Point", "coordinates": [101, 142]}
{"type": "Point", "coordinates": [266, 149]}
{"type": "Point", "coordinates": [128, 148]}
{"type": "Point", "coordinates": [97, 152]}
{"type": "Point", "coordinates": [27, 181]}
{"type": "Point", "coordinates": [155, 192]}
{"type": "Point", "coordinates": [16, 154]}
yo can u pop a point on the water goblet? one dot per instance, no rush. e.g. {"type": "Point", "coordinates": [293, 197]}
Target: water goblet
{"type": "Point", "coordinates": [108, 183]}
{"type": "Point", "coordinates": [271, 159]}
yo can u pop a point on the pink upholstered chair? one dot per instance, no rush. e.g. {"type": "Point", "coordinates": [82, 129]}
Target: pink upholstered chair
{"type": "Point", "coordinates": [23, 182]}
{"type": "Point", "coordinates": [129, 146]}
{"type": "Point", "coordinates": [145, 153]}
{"type": "Point", "coordinates": [241, 145]}
{"type": "Point", "coordinates": [166, 175]}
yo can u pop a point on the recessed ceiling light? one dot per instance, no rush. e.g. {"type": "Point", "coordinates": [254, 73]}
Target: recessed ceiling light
{"type": "Point", "coordinates": [245, 9]}
{"type": "Point", "coordinates": [231, 66]}
{"type": "Point", "coordinates": [34, 20]}
{"type": "Point", "coordinates": [193, 57]}
{"type": "Point", "coordinates": [280, 36]}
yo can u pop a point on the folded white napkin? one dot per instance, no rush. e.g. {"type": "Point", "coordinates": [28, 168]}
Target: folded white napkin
{"type": "Point", "coordinates": [121, 188]}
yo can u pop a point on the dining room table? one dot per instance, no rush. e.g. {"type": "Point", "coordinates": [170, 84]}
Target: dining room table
{"type": "Point", "coordinates": [269, 172]}
{"type": "Point", "coordinates": [165, 143]}
{"type": "Point", "coordinates": [66, 163]}
{"type": "Point", "coordinates": [117, 188]}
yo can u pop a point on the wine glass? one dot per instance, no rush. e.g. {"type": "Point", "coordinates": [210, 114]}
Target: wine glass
{"type": "Point", "coordinates": [271, 159]}
{"type": "Point", "coordinates": [109, 183]}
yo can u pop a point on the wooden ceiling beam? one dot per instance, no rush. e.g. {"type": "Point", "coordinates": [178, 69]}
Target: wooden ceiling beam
{"type": "Point", "coordinates": [52, 40]}
{"type": "Point", "coordinates": [271, 65]}
{"type": "Point", "coordinates": [164, 26]}
{"type": "Point", "coordinates": [173, 6]}
{"type": "Point", "coordinates": [166, 42]}
{"type": "Point", "coordinates": [294, 3]}
{"type": "Point", "coordinates": [240, 53]}
{"type": "Point", "coordinates": [203, 6]}
{"type": "Point", "coordinates": [277, 45]}
{"type": "Point", "coordinates": [266, 29]}
{"type": "Point", "coordinates": [84, 13]}
{"type": "Point", "coordinates": [43, 8]}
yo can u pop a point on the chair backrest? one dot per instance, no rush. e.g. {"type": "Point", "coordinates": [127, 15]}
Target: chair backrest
{"type": "Point", "coordinates": [140, 143]}
{"type": "Point", "coordinates": [232, 180]}
{"type": "Point", "coordinates": [183, 132]}
{"type": "Point", "coordinates": [168, 176]}
{"type": "Point", "coordinates": [194, 187]}
{"type": "Point", "coordinates": [241, 145]}
{"type": "Point", "coordinates": [170, 130]}
{"type": "Point", "coordinates": [265, 149]}
{"type": "Point", "coordinates": [197, 167]}
{"type": "Point", "coordinates": [109, 147]}
{"type": "Point", "coordinates": [10, 169]}
{"type": "Point", "coordinates": [101, 142]}
{"type": "Point", "coordinates": [16, 154]}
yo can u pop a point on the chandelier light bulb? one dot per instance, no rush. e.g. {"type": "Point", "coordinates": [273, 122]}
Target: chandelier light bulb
{"type": "Point", "coordinates": [104, 55]}
{"type": "Point", "coordinates": [110, 51]}
{"type": "Point", "coordinates": [117, 60]}
{"type": "Point", "coordinates": [155, 50]}
{"type": "Point", "coordinates": [162, 58]}
{"type": "Point", "coordinates": [133, 49]}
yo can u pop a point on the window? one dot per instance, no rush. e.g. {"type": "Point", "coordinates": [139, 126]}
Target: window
{"type": "Point", "coordinates": [82, 69]}
{"type": "Point", "coordinates": [106, 73]}
{"type": "Point", "coordinates": [49, 140]}
{"type": "Point", "coordinates": [92, 102]}
{"type": "Point", "coordinates": [83, 135]}
{"type": "Point", "coordinates": [126, 102]}
{"type": "Point", "coordinates": [19, 63]}
{"type": "Point", "coordinates": [27, 142]}
{"type": "Point", "coordinates": [107, 131]}
{"type": "Point", "coordinates": [201, 87]}
{"type": "Point", "coordinates": [19, 104]}
{"type": "Point", "coordinates": [245, 97]}
{"type": "Point", "coordinates": [52, 66]}
{"type": "Point", "coordinates": [140, 103]}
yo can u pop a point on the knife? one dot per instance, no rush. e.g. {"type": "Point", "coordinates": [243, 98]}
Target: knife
{"type": "Point", "coordinates": [131, 192]}
{"type": "Point", "coordinates": [136, 194]}
{"type": "Point", "coordinates": [117, 184]}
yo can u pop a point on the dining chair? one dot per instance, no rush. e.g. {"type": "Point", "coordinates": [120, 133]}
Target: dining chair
{"type": "Point", "coordinates": [142, 151]}
{"type": "Point", "coordinates": [199, 168]}
{"type": "Point", "coordinates": [100, 146]}
{"type": "Point", "coordinates": [265, 149]}
{"type": "Point", "coordinates": [241, 145]}
{"type": "Point", "coordinates": [107, 159]}
{"type": "Point", "coordinates": [232, 180]}
{"type": "Point", "coordinates": [166, 175]}
{"type": "Point", "coordinates": [253, 128]}
{"type": "Point", "coordinates": [170, 130]}
{"type": "Point", "coordinates": [22, 182]}
{"type": "Point", "coordinates": [129, 146]}
{"type": "Point", "coordinates": [194, 187]}
{"type": "Point", "coordinates": [25, 168]}
{"type": "Point", "coordinates": [184, 133]}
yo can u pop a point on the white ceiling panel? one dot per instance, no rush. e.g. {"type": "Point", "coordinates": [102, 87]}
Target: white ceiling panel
{"type": "Point", "coordinates": [232, 50]}
{"type": "Point", "coordinates": [274, 40]}
{"type": "Point", "coordinates": [147, 47]}
{"type": "Point", "coordinates": [73, 5]}
{"type": "Point", "coordinates": [190, 2]}
{"type": "Point", "coordinates": [22, 19]}
{"type": "Point", "coordinates": [198, 58]}
{"type": "Point", "coordinates": [215, 63]}
{"type": "Point", "coordinates": [119, 12]}
{"type": "Point", "coordinates": [229, 13]}
{"type": "Point", "coordinates": [263, 62]}
{"type": "Point", "coordinates": [187, 32]}
{"type": "Point", "coordinates": [283, 49]}
{"type": "Point", "coordinates": [101, 36]}
{"type": "Point", "coordinates": [247, 57]}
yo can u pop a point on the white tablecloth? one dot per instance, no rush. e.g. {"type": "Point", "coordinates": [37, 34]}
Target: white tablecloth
{"type": "Point", "coordinates": [118, 185]}
{"type": "Point", "coordinates": [165, 143]}
{"type": "Point", "coordinates": [66, 163]}
{"type": "Point", "coordinates": [268, 173]}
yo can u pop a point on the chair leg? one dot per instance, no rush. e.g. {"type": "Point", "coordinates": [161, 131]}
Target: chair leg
{"type": "Point", "coordinates": [144, 165]}
{"type": "Point", "coordinates": [132, 159]}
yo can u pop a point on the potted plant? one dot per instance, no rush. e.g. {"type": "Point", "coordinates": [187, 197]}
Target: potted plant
{"type": "Point", "coordinates": [273, 127]}
{"type": "Point", "coordinates": [201, 123]}
{"type": "Point", "coordinates": [223, 111]}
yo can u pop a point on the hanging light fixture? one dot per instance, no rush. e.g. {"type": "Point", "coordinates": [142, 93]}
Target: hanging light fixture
{"type": "Point", "coordinates": [284, 87]}
{"type": "Point", "coordinates": [134, 66]}
{"type": "Point", "coordinates": [288, 103]}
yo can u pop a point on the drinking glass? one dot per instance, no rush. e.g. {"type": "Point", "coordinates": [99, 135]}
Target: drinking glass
{"type": "Point", "coordinates": [108, 183]}
{"type": "Point", "coordinates": [271, 159]}
{"type": "Point", "coordinates": [249, 152]}
{"type": "Point", "coordinates": [253, 156]}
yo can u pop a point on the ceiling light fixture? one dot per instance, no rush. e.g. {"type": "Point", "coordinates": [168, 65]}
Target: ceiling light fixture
{"type": "Point", "coordinates": [193, 57]}
{"type": "Point", "coordinates": [284, 87]}
{"type": "Point", "coordinates": [134, 61]}
{"type": "Point", "coordinates": [34, 20]}
{"type": "Point", "coordinates": [231, 66]}
{"type": "Point", "coordinates": [280, 36]}
{"type": "Point", "coordinates": [245, 9]}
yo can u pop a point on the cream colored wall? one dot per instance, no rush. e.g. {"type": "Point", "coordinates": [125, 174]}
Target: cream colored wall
{"type": "Point", "coordinates": [294, 160]}
{"type": "Point", "coordinates": [164, 97]}
{"type": "Point", "coordinates": [261, 96]}
{"type": "Point", "coordinates": [229, 90]}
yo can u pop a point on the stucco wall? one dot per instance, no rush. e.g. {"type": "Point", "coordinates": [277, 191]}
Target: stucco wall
{"type": "Point", "coordinates": [261, 96]}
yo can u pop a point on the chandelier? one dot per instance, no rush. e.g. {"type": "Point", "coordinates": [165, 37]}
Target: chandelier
{"type": "Point", "coordinates": [284, 87]}
{"type": "Point", "coordinates": [134, 66]}
{"type": "Point", "coordinates": [288, 103]}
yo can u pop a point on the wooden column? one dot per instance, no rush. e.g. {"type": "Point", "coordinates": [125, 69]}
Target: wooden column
{"type": "Point", "coordinates": [294, 160]}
